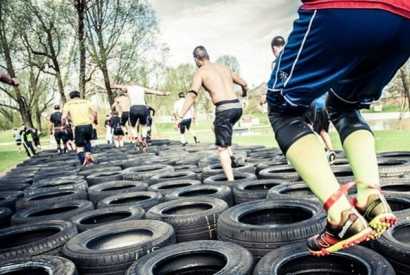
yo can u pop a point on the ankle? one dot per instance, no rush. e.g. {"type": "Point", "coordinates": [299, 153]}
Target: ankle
{"type": "Point", "coordinates": [363, 196]}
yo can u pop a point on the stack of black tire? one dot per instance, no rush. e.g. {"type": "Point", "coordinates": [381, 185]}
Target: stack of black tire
{"type": "Point", "coordinates": [172, 211]}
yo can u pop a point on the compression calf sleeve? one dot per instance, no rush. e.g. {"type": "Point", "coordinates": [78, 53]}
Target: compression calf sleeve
{"type": "Point", "coordinates": [360, 149]}
{"type": "Point", "coordinates": [308, 157]}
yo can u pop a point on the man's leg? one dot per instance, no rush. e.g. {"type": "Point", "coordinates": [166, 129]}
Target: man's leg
{"type": "Point", "coordinates": [226, 162]}
{"type": "Point", "coordinates": [80, 154]}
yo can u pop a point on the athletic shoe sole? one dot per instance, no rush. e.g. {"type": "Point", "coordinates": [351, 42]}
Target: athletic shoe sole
{"type": "Point", "coordinates": [381, 223]}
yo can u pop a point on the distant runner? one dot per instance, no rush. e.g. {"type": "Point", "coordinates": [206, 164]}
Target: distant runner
{"type": "Point", "coordinates": [277, 44]}
{"type": "Point", "coordinates": [138, 113]}
{"type": "Point", "coordinates": [83, 116]}
{"type": "Point", "coordinates": [58, 130]}
{"type": "Point", "coordinates": [218, 80]}
{"type": "Point", "coordinates": [185, 125]}
{"type": "Point", "coordinates": [17, 138]}
{"type": "Point", "coordinates": [351, 49]}
{"type": "Point", "coordinates": [27, 138]}
{"type": "Point", "coordinates": [117, 132]}
{"type": "Point", "coordinates": [319, 119]}
{"type": "Point", "coordinates": [122, 106]}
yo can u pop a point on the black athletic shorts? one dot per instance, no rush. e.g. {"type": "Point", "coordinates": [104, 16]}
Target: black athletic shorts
{"type": "Point", "coordinates": [60, 136]}
{"type": "Point", "coordinates": [83, 134]}
{"type": "Point", "coordinates": [185, 125]}
{"type": "Point", "coordinates": [319, 119]}
{"type": "Point", "coordinates": [124, 118]}
{"type": "Point", "coordinates": [139, 113]}
{"type": "Point", "coordinates": [224, 122]}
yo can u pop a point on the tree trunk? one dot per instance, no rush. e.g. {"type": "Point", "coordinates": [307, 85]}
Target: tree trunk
{"type": "Point", "coordinates": [406, 85]}
{"type": "Point", "coordinates": [56, 67]}
{"type": "Point", "coordinates": [23, 107]}
{"type": "Point", "coordinates": [81, 8]}
{"type": "Point", "coordinates": [38, 118]}
{"type": "Point", "coordinates": [107, 84]}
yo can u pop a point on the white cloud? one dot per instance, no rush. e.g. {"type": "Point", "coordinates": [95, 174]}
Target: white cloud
{"type": "Point", "coordinates": [242, 28]}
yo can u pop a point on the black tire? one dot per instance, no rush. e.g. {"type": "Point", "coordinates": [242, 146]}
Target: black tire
{"type": "Point", "coordinates": [198, 257]}
{"type": "Point", "coordinates": [192, 219]}
{"type": "Point", "coordinates": [35, 239]}
{"type": "Point", "coordinates": [97, 251]}
{"type": "Point", "coordinates": [145, 172]}
{"type": "Point", "coordinates": [254, 190]}
{"type": "Point", "coordinates": [143, 199]}
{"type": "Point", "coordinates": [263, 225]}
{"type": "Point", "coordinates": [58, 211]}
{"type": "Point", "coordinates": [295, 191]}
{"type": "Point", "coordinates": [394, 246]}
{"type": "Point", "coordinates": [173, 176]}
{"type": "Point", "coordinates": [101, 177]}
{"type": "Point", "coordinates": [284, 172]}
{"type": "Point", "coordinates": [192, 168]}
{"type": "Point", "coordinates": [395, 154]}
{"type": "Point", "coordinates": [216, 169]}
{"type": "Point", "coordinates": [103, 216]}
{"type": "Point", "coordinates": [270, 163]}
{"type": "Point", "coordinates": [401, 187]}
{"type": "Point", "coordinates": [399, 203]}
{"type": "Point", "coordinates": [167, 187]}
{"type": "Point", "coordinates": [98, 168]}
{"type": "Point", "coordinates": [81, 185]}
{"type": "Point", "coordinates": [5, 215]}
{"type": "Point", "coordinates": [51, 197]}
{"type": "Point", "coordinates": [39, 265]}
{"type": "Point", "coordinates": [111, 188]}
{"type": "Point", "coordinates": [394, 167]}
{"type": "Point", "coordinates": [8, 199]}
{"type": "Point", "coordinates": [295, 259]}
{"type": "Point", "coordinates": [13, 187]}
{"type": "Point", "coordinates": [204, 190]}
{"type": "Point", "coordinates": [221, 179]}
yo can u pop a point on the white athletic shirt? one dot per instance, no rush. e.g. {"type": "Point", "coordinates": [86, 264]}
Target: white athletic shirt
{"type": "Point", "coordinates": [178, 107]}
{"type": "Point", "coordinates": [136, 94]}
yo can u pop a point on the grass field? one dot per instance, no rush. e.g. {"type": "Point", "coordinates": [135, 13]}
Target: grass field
{"type": "Point", "coordinates": [385, 141]}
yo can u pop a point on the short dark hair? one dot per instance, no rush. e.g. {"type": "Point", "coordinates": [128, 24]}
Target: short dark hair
{"type": "Point", "coordinates": [181, 95]}
{"type": "Point", "coordinates": [201, 53]}
{"type": "Point", "coordinates": [56, 107]}
{"type": "Point", "coordinates": [74, 94]}
{"type": "Point", "coordinates": [278, 41]}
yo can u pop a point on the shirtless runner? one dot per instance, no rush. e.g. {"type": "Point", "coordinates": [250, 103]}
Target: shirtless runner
{"type": "Point", "coordinates": [122, 106]}
{"type": "Point", "coordinates": [138, 111]}
{"type": "Point", "coordinates": [218, 81]}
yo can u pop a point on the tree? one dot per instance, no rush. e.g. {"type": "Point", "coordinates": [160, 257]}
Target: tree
{"type": "Point", "coordinates": [108, 22]}
{"type": "Point", "coordinates": [7, 35]}
{"type": "Point", "coordinates": [48, 29]}
{"type": "Point", "coordinates": [81, 9]}
{"type": "Point", "coordinates": [230, 61]}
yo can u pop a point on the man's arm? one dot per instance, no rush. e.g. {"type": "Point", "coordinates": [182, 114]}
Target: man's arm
{"type": "Point", "coordinates": [155, 92]}
{"type": "Point", "coordinates": [8, 80]}
{"type": "Point", "coordinates": [239, 81]}
{"type": "Point", "coordinates": [192, 94]}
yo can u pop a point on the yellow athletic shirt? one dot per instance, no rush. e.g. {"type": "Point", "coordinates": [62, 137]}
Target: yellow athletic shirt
{"type": "Point", "coordinates": [80, 111]}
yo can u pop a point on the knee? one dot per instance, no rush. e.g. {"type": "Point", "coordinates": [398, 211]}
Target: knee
{"type": "Point", "coordinates": [346, 119]}
{"type": "Point", "coordinates": [288, 129]}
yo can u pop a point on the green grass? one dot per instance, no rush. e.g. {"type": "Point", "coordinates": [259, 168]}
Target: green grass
{"type": "Point", "coordinates": [398, 140]}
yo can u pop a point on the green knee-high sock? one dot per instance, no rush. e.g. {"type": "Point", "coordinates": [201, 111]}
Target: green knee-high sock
{"type": "Point", "coordinates": [360, 150]}
{"type": "Point", "coordinates": [308, 157]}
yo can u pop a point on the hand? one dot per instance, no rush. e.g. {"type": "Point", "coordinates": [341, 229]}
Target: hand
{"type": "Point", "coordinates": [14, 82]}
{"type": "Point", "coordinates": [244, 91]}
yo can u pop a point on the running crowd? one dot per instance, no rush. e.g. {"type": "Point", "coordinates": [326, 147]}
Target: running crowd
{"type": "Point", "coordinates": [337, 60]}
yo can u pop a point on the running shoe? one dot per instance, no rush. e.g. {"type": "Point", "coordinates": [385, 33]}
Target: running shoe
{"type": "Point", "coordinates": [353, 231]}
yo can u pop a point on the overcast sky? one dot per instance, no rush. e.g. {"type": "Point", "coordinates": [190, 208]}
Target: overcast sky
{"type": "Point", "coordinates": [243, 28]}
